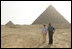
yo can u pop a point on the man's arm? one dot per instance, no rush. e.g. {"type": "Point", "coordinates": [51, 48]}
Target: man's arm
{"type": "Point", "coordinates": [53, 29]}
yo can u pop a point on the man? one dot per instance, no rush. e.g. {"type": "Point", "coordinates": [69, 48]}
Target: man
{"type": "Point", "coordinates": [44, 32]}
{"type": "Point", "coordinates": [51, 31]}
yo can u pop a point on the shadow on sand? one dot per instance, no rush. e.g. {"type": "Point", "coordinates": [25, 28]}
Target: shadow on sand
{"type": "Point", "coordinates": [47, 46]}
{"type": "Point", "coordinates": [44, 46]}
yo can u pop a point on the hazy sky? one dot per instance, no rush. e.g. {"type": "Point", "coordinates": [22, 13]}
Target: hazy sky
{"type": "Point", "coordinates": [25, 12]}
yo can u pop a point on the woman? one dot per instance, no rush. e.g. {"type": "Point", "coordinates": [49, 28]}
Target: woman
{"type": "Point", "coordinates": [44, 33]}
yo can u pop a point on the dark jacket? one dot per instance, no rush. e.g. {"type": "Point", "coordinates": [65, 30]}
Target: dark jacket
{"type": "Point", "coordinates": [51, 29]}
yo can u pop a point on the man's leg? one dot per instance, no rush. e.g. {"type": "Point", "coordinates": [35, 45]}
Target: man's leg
{"type": "Point", "coordinates": [50, 38]}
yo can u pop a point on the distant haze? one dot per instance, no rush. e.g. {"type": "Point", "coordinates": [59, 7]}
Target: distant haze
{"type": "Point", "coordinates": [25, 12]}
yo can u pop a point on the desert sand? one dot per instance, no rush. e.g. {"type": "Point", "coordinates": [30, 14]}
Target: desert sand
{"type": "Point", "coordinates": [29, 36]}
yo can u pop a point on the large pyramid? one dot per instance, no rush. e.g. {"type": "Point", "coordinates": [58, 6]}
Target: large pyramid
{"type": "Point", "coordinates": [50, 15]}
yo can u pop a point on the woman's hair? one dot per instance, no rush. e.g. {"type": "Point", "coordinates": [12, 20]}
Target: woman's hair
{"type": "Point", "coordinates": [44, 25]}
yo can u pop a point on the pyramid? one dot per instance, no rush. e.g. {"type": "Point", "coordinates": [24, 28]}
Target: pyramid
{"type": "Point", "coordinates": [50, 15]}
{"type": "Point", "coordinates": [10, 24]}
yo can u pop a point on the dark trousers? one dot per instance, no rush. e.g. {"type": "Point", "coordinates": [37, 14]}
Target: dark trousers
{"type": "Point", "coordinates": [50, 37]}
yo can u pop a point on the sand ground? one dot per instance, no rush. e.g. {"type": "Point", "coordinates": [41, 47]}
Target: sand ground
{"type": "Point", "coordinates": [30, 37]}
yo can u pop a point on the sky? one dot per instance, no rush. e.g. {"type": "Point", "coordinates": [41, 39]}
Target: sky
{"type": "Point", "coordinates": [25, 12]}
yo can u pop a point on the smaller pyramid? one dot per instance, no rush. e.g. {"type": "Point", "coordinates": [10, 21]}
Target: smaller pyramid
{"type": "Point", "coordinates": [10, 24]}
